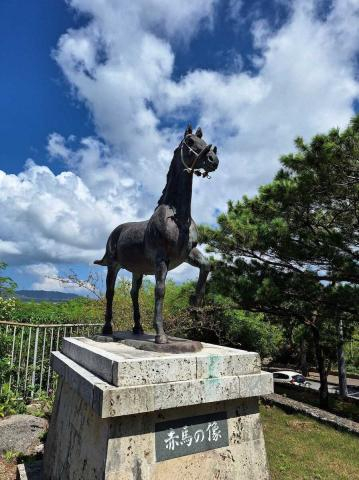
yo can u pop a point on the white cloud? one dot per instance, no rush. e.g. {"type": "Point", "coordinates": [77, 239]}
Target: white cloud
{"type": "Point", "coordinates": [234, 9]}
{"type": "Point", "coordinates": [45, 273]}
{"type": "Point", "coordinates": [46, 278]}
{"type": "Point", "coordinates": [53, 218]}
{"type": "Point", "coordinates": [121, 65]}
{"type": "Point", "coordinates": [7, 247]}
{"type": "Point", "coordinates": [306, 84]}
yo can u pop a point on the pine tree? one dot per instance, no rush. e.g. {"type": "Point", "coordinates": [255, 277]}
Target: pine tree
{"type": "Point", "coordinates": [292, 251]}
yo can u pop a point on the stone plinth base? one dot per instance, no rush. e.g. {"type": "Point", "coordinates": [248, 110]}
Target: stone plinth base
{"type": "Point", "coordinates": [147, 342]}
{"type": "Point", "coordinates": [199, 421]}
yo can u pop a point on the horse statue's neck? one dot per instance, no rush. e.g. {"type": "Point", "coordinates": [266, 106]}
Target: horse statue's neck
{"type": "Point", "coordinates": [178, 190]}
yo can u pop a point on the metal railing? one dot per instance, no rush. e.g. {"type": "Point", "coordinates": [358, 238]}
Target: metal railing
{"type": "Point", "coordinates": [26, 350]}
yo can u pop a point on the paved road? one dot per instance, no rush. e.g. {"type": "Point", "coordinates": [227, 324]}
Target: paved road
{"type": "Point", "coordinates": [353, 391]}
{"type": "Point", "coordinates": [333, 387]}
{"type": "Point", "coordinates": [352, 382]}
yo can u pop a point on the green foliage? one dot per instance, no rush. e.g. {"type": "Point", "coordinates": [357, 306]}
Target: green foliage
{"type": "Point", "coordinates": [9, 456]}
{"type": "Point", "coordinates": [219, 321]}
{"type": "Point", "coordinates": [7, 308]}
{"type": "Point", "coordinates": [352, 353]}
{"type": "Point", "coordinates": [7, 285]}
{"type": "Point", "coordinates": [304, 223]}
{"type": "Point", "coordinates": [9, 403]}
{"type": "Point", "coordinates": [42, 406]}
{"type": "Point", "coordinates": [291, 252]}
{"type": "Point", "coordinates": [255, 333]}
{"type": "Point", "coordinates": [5, 363]}
{"type": "Point", "coordinates": [7, 291]}
{"type": "Point", "coordinates": [81, 310]}
{"type": "Point", "coordinates": [175, 303]}
{"type": "Point", "coordinates": [87, 310]}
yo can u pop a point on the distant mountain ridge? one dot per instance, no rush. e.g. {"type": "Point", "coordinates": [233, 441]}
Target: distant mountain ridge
{"type": "Point", "coordinates": [45, 296]}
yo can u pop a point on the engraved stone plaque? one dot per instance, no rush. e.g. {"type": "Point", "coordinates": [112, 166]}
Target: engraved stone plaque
{"type": "Point", "coordinates": [185, 436]}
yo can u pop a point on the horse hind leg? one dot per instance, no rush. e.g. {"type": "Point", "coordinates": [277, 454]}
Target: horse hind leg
{"type": "Point", "coordinates": [197, 259]}
{"type": "Point", "coordinates": [112, 271]}
{"type": "Point", "coordinates": [160, 274]}
{"type": "Point", "coordinates": [136, 285]}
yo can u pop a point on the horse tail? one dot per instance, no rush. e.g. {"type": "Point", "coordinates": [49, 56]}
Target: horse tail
{"type": "Point", "coordinates": [110, 255]}
{"type": "Point", "coordinates": [104, 261]}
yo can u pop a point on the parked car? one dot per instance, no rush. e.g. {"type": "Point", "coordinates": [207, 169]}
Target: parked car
{"type": "Point", "coordinates": [289, 376]}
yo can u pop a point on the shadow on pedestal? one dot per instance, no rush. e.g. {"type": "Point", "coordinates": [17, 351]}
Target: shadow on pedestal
{"type": "Point", "coordinates": [147, 342]}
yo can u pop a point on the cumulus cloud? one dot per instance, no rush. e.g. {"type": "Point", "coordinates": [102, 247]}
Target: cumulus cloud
{"type": "Point", "coordinates": [121, 63]}
{"type": "Point", "coordinates": [46, 277]}
{"type": "Point", "coordinates": [52, 218]}
{"type": "Point", "coordinates": [306, 84]}
{"type": "Point", "coordinates": [45, 274]}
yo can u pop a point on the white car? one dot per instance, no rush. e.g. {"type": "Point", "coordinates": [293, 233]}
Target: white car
{"type": "Point", "coordinates": [289, 376]}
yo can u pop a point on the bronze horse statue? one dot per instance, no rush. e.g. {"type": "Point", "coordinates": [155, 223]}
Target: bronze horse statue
{"type": "Point", "coordinates": [167, 239]}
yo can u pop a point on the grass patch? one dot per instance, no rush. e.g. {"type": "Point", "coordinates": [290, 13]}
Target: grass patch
{"type": "Point", "coordinates": [300, 448]}
{"type": "Point", "coordinates": [9, 456]}
{"type": "Point", "coordinates": [337, 405]}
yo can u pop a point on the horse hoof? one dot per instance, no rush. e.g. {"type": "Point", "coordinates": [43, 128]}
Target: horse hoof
{"type": "Point", "coordinates": [137, 330]}
{"type": "Point", "coordinates": [107, 329]}
{"type": "Point", "coordinates": [161, 339]}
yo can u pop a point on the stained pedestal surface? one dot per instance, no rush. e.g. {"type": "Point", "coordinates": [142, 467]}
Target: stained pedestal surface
{"type": "Point", "coordinates": [123, 413]}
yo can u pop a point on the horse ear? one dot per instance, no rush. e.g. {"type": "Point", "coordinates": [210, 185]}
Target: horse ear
{"type": "Point", "coordinates": [199, 132]}
{"type": "Point", "coordinates": [188, 130]}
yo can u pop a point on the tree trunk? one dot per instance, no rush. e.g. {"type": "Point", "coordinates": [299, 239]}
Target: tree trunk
{"type": "Point", "coordinates": [323, 373]}
{"type": "Point", "coordinates": [303, 357]}
{"type": "Point", "coordinates": [342, 374]}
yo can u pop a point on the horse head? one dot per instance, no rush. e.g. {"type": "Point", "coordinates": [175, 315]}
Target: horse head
{"type": "Point", "coordinates": [196, 155]}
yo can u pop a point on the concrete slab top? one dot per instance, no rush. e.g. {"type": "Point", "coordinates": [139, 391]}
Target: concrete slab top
{"type": "Point", "coordinates": [123, 351]}
{"type": "Point", "coordinates": [124, 365]}
{"type": "Point", "coordinates": [110, 401]}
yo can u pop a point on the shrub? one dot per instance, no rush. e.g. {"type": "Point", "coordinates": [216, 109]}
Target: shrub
{"type": "Point", "coordinates": [9, 403]}
{"type": "Point", "coordinates": [7, 308]}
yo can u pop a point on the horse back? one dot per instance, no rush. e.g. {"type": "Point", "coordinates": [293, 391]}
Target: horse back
{"type": "Point", "coordinates": [126, 247]}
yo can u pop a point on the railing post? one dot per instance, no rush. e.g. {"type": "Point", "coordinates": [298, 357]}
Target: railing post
{"type": "Point", "coordinates": [42, 357]}
{"type": "Point", "coordinates": [49, 369]}
{"type": "Point", "coordinates": [12, 355]}
{"type": "Point", "coordinates": [27, 359]}
{"type": "Point", "coordinates": [30, 352]}
{"type": "Point", "coordinates": [58, 338]}
{"type": "Point", "coordinates": [34, 362]}
{"type": "Point", "coordinates": [19, 362]}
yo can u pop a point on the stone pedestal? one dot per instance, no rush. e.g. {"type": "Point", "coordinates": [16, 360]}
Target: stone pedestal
{"type": "Point", "coordinates": [123, 413]}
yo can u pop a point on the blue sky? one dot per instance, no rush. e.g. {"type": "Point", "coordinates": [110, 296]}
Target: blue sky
{"type": "Point", "coordinates": [95, 95]}
{"type": "Point", "coordinates": [35, 98]}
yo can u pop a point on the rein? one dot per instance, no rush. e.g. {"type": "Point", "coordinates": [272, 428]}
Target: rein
{"type": "Point", "coordinates": [192, 169]}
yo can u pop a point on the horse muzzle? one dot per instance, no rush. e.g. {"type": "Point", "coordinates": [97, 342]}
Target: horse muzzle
{"type": "Point", "coordinates": [211, 161]}
{"type": "Point", "coordinates": [207, 159]}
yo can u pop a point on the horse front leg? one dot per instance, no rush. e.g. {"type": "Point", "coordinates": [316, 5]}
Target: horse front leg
{"type": "Point", "coordinates": [136, 285]}
{"type": "Point", "coordinates": [112, 271]}
{"type": "Point", "coordinates": [197, 259]}
{"type": "Point", "coordinates": [160, 274]}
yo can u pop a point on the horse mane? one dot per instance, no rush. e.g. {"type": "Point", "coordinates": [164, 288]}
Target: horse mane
{"type": "Point", "coordinates": [170, 176]}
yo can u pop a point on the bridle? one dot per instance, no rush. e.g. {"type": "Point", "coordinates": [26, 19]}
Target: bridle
{"type": "Point", "coordinates": [192, 169]}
